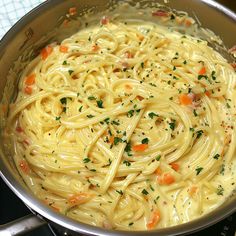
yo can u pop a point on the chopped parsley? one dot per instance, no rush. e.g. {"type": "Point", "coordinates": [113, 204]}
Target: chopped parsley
{"type": "Point", "coordinates": [130, 113]}
{"type": "Point", "coordinates": [100, 103]}
{"type": "Point", "coordinates": [145, 141]}
{"type": "Point", "coordinates": [199, 133]}
{"type": "Point", "coordinates": [120, 192]}
{"type": "Point", "coordinates": [145, 192]}
{"type": "Point", "coordinates": [172, 125]}
{"type": "Point", "coordinates": [213, 75]}
{"type": "Point", "coordinates": [117, 140]}
{"type": "Point", "coordinates": [90, 116]}
{"type": "Point", "coordinates": [128, 148]}
{"type": "Point", "coordinates": [158, 157]}
{"type": "Point", "coordinates": [127, 163]}
{"type": "Point", "coordinates": [216, 156]}
{"type": "Point", "coordinates": [185, 62]}
{"type": "Point", "coordinates": [58, 117]}
{"type": "Point", "coordinates": [115, 122]}
{"type": "Point", "coordinates": [80, 109]}
{"type": "Point", "coordinates": [194, 112]}
{"type": "Point", "coordinates": [227, 105]}
{"type": "Point", "coordinates": [191, 129]}
{"type": "Point", "coordinates": [152, 114]}
{"type": "Point", "coordinates": [220, 190]}
{"type": "Point", "coordinates": [91, 98]}
{"type": "Point", "coordinates": [142, 64]}
{"type": "Point", "coordinates": [86, 160]}
{"type": "Point", "coordinates": [63, 100]}
{"type": "Point", "coordinates": [64, 63]}
{"type": "Point", "coordinates": [222, 169]}
{"type": "Point", "coordinates": [198, 170]}
{"type": "Point", "coordinates": [131, 223]}
{"type": "Point", "coordinates": [70, 71]}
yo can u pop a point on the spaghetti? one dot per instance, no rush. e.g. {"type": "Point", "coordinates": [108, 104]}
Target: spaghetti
{"type": "Point", "coordinates": [127, 125]}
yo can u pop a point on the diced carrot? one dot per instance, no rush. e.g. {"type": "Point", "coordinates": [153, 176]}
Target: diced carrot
{"type": "Point", "coordinates": [208, 93]}
{"type": "Point", "coordinates": [24, 166]}
{"type": "Point", "coordinates": [140, 147]}
{"type": "Point", "coordinates": [129, 55]}
{"type": "Point", "coordinates": [140, 37]}
{"type": "Point", "coordinates": [188, 22]}
{"type": "Point", "coordinates": [128, 87]}
{"type": "Point", "coordinates": [19, 129]}
{"type": "Point", "coordinates": [57, 209]}
{"type": "Point", "coordinates": [95, 48]}
{"type": "Point", "coordinates": [185, 99]}
{"type": "Point", "coordinates": [63, 48]}
{"type": "Point", "coordinates": [174, 166]}
{"type": "Point", "coordinates": [158, 171]}
{"type": "Point", "coordinates": [111, 140]}
{"type": "Point", "coordinates": [104, 20]}
{"type": "Point", "coordinates": [72, 11]}
{"type": "Point", "coordinates": [202, 71]}
{"type": "Point", "coordinates": [160, 13]}
{"type": "Point", "coordinates": [140, 98]}
{"type": "Point", "coordinates": [233, 65]}
{"type": "Point", "coordinates": [166, 179]}
{"type": "Point", "coordinates": [30, 80]}
{"type": "Point", "coordinates": [65, 22]}
{"type": "Point", "coordinates": [192, 190]}
{"type": "Point", "coordinates": [28, 90]}
{"type": "Point", "coordinates": [78, 198]}
{"type": "Point", "coordinates": [46, 52]}
{"type": "Point", "coordinates": [155, 218]}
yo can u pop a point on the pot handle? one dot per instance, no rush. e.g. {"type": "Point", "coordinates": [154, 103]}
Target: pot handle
{"type": "Point", "coordinates": [21, 225]}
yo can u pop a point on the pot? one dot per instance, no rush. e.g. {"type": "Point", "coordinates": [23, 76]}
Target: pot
{"type": "Point", "coordinates": [23, 42]}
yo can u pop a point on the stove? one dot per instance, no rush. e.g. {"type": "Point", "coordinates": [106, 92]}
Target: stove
{"type": "Point", "coordinates": [12, 208]}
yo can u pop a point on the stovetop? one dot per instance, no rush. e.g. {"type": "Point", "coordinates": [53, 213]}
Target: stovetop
{"type": "Point", "coordinates": [12, 208]}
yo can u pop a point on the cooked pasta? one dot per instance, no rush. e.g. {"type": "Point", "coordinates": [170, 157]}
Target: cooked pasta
{"type": "Point", "coordinates": [127, 125]}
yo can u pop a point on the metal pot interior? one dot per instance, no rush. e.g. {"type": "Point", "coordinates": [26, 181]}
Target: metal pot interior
{"type": "Point", "coordinates": [41, 26]}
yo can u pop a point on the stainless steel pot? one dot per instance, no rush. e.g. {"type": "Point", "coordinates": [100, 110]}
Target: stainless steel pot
{"type": "Point", "coordinates": [23, 42]}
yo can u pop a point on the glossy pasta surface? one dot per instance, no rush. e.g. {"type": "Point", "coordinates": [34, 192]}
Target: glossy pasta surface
{"type": "Point", "coordinates": [127, 125]}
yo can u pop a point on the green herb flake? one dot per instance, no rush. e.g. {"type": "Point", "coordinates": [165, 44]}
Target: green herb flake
{"type": "Point", "coordinates": [220, 190]}
{"type": "Point", "coordinates": [70, 71]}
{"type": "Point", "coordinates": [131, 223]}
{"type": "Point", "coordinates": [199, 133]}
{"type": "Point", "coordinates": [227, 105]}
{"type": "Point", "coordinates": [64, 63]}
{"type": "Point", "coordinates": [117, 140]}
{"type": "Point", "coordinates": [151, 188]}
{"type": "Point", "coordinates": [191, 129]}
{"type": "Point", "coordinates": [63, 100]}
{"type": "Point", "coordinates": [115, 122]}
{"type": "Point", "coordinates": [127, 163]}
{"type": "Point", "coordinates": [91, 98]}
{"type": "Point", "coordinates": [142, 64]}
{"type": "Point", "coordinates": [216, 156]}
{"type": "Point", "coordinates": [185, 62]}
{"type": "Point", "coordinates": [120, 192]}
{"type": "Point", "coordinates": [198, 170]}
{"type": "Point", "coordinates": [172, 17]}
{"type": "Point", "coordinates": [222, 169]}
{"type": "Point", "coordinates": [172, 125]}
{"type": "Point", "coordinates": [145, 192]}
{"type": "Point", "coordinates": [90, 116]}
{"type": "Point", "coordinates": [93, 170]}
{"type": "Point", "coordinates": [152, 114]}
{"type": "Point", "coordinates": [145, 141]}
{"type": "Point", "coordinates": [158, 158]}
{"type": "Point", "coordinates": [130, 113]}
{"type": "Point", "coordinates": [58, 117]}
{"type": "Point", "coordinates": [80, 109]}
{"type": "Point", "coordinates": [86, 160]}
{"type": "Point", "coordinates": [100, 103]}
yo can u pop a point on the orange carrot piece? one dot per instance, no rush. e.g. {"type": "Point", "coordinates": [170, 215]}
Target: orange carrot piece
{"type": "Point", "coordinates": [185, 99]}
{"type": "Point", "coordinates": [188, 22]}
{"type": "Point", "coordinates": [202, 71]}
{"type": "Point", "coordinates": [129, 55]}
{"type": "Point", "coordinates": [140, 147]}
{"type": "Point", "coordinates": [24, 166]}
{"type": "Point", "coordinates": [19, 129]}
{"type": "Point", "coordinates": [128, 87]}
{"type": "Point", "coordinates": [104, 20]}
{"type": "Point", "coordinates": [78, 198]}
{"type": "Point", "coordinates": [28, 90]}
{"type": "Point", "coordinates": [111, 140]}
{"type": "Point", "coordinates": [192, 190]}
{"type": "Point", "coordinates": [63, 48]}
{"type": "Point", "coordinates": [46, 52]}
{"type": "Point", "coordinates": [140, 98]}
{"type": "Point", "coordinates": [155, 218]}
{"type": "Point", "coordinates": [95, 48]}
{"type": "Point", "coordinates": [208, 93]}
{"type": "Point", "coordinates": [166, 179]}
{"type": "Point", "coordinates": [72, 11]}
{"type": "Point", "coordinates": [174, 166]}
{"type": "Point", "coordinates": [233, 65]}
{"type": "Point", "coordinates": [30, 80]}
{"type": "Point", "coordinates": [158, 171]}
